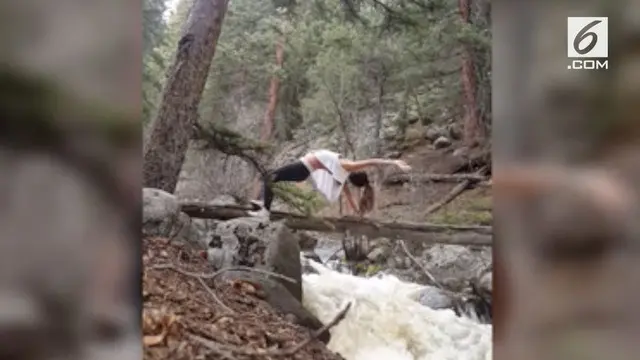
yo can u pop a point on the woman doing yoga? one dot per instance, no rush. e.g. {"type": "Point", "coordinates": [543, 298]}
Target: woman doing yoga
{"type": "Point", "coordinates": [329, 173]}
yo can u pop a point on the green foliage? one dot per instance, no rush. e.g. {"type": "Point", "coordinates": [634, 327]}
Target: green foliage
{"type": "Point", "coordinates": [152, 23]}
{"type": "Point", "coordinates": [244, 61]}
{"type": "Point", "coordinates": [345, 61]}
{"type": "Point", "coordinates": [227, 140]}
{"type": "Point", "coordinates": [232, 143]}
{"type": "Point", "coordinates": [306, 202]}
{"type": "Point", "coordinates": [153, 61]}
{"type": "Point", "coordinates": [162, 49]}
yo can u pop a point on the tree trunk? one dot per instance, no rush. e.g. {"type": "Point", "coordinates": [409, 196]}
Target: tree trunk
{"type": "Point", "coordinates": [268, 123]}
{"type": "Point", "coordinates": [173, 127]}
{"type": "Point", "coordinates": [473, 127]}
{"type": "Point", "coordinates": [381, 78]}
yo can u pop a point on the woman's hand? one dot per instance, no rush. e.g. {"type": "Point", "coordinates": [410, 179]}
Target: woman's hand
{"type": "Point", "coordinates": [402, 165]}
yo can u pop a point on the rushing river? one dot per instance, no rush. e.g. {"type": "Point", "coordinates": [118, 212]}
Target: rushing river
{"type": "Point", "coordinates": [386, 322]}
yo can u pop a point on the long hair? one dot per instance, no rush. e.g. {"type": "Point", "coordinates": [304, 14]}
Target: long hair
{"type": "Point", "coordinates": [367, 199]}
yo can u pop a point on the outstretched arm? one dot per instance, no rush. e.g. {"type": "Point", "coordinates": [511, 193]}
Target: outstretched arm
{"type": "Point", "coordinates": [358, 165]}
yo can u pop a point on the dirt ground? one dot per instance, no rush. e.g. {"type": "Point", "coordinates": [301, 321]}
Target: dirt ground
{"type": "Point", "coordinates": [178, 309]}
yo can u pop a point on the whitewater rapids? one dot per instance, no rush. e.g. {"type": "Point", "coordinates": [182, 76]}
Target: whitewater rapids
{"type": "Point", "coordinates": [386, 323]}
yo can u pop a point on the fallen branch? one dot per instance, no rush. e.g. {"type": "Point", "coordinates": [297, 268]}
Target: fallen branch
{"type": "Point", "coordinates": [432, 233]}
{"type": "Point", "coordinates": [224, 349]}
{"type": "Point", "coordinates": [434, 282]}
{"type": "Point", "coordinates": [202, 276]}
{"type": "Point", "coordinates": [473, 179]}
{"type": "Point", "coordinates": [454, 193]}
{"type": "Point", "coordinates": [424, 270]}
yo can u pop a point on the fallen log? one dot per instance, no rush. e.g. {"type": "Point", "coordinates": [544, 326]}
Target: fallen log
{"type": "Point", "coordinates": [473, 179]}
{"type": "Point", "coordinates": [433, 233]}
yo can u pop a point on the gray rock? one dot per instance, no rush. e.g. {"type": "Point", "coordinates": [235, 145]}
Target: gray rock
{"type": "Point", "coordinates": [434, 298]}
{"type": "Point", "coordinates": [461, 152]}
{"type": "Point", "coordinates": [414, 134]}
{"type": "Point", "coordinates": [433, 132]}
{"type": "Point", "coordinates": [454, 131]}
{"type": "Point", "coordinates": [408, 263]}
{"type": "Point", "coordinates": [399, 262]}
{"type": "Point", "coordinates": [393, 155]}
{"type": "Point", "coordinates": [390, 132]}
{"type": "Point", "coordinates": [442, 142]}
{"type": "Point", "coordinates": [161, 215]}
{"type": "Point", "coordinates": [379, 254]}
{"type": "Point", "coordinates": [306, 241]}
{"type": "Point", "coordinates": [218, 256]}
{"type": "Point", "coordinates": [182, 229]}
{"type": "Point", "coordinates": [224, 200]}
{"type": "Point", "coordinates": [456, 261]}
{"type": "Point", "coordinates": [306, 265]}
{"type": "Point", "coordinates": [312, 255]}
{"type": "Point", "coordinates": [159, 204]}
{"type": "Point", "coordinates": [485, 283]}
{"type": "Point", "coordinates": [259, 243]}
{"type": "Point", "coordinates": [203, 231]}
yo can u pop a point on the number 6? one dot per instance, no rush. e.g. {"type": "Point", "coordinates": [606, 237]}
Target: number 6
{"type": "Point", "coordinates": [583, 34]}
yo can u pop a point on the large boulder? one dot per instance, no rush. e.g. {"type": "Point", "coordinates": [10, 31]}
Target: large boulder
{"type": "Point", "coordinates": [464, 272]}
{"type": "Point", "coordinates": [258, 243]}
{"type": "Point", "coordinates": [434, 298]}
{"type": "Point", "coordinates": [203, 231]}
{"type": "Point", "coordinates": [449, 262]}
{"type": "Point", "coordinates": [161, 215]}
{"type": "Point", "coordinates": [306, 241]}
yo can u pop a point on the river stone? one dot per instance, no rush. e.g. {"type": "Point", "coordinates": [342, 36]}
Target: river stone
{"type": "Point", "coordinates": [256, 242]}
{"type": "Point", "coordinates": [161, 215]}
{"type": "Point", "coordinates": [434, 298]}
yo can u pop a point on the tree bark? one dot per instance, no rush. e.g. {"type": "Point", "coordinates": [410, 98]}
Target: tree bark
{"type": "Point", "coordinates": [473, 130]}
{"type": "Point", "coordinates": [432, 233]}
{"type": "Point", "coordinates": [172, 129]}
{"type": "Point", "coordinates": [268, 123]}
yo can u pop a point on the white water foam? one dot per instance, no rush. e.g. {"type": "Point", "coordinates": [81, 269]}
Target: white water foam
{"type": "Point", "coordinates": [386, 323]}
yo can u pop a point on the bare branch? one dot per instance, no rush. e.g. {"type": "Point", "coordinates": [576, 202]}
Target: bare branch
{"type": "Point", "coordinates": [455, 192]}
{"type": "Point", "coordinates": [415, 261]}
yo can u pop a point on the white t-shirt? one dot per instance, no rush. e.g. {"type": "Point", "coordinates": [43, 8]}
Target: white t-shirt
{"type": "Point", "coordinates": [328, 183]}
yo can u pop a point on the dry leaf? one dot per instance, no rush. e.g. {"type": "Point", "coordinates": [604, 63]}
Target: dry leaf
{"type": "Point", "coordinates": [245, 286]}
{"type": "Point", "coordinates": [152, 340]}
